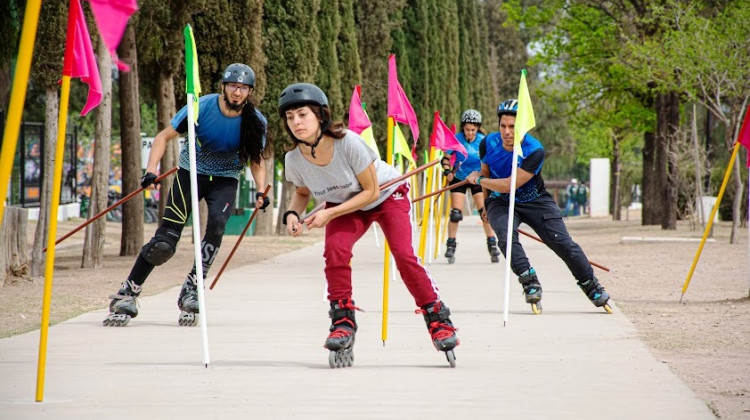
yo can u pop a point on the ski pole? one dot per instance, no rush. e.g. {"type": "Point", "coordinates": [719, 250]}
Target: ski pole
{"type": "Point", "coordinates": [450, 187]}
{"type": "Point", "coordinates": [540, 240]}
{"type": "Point", "coordinates": [385, 185]}
{"type": "Point", "coordinates": [237, 244]}
{"type": "Point", "coordinates": [113, 206]}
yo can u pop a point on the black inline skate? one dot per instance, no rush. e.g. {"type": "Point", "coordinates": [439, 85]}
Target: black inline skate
{"type": "Point", "coordinates": [492, 249]}
{"type": "Point", "coordinates": [188, 302]}
{"type": "Point", "coordinates": [340, 341]}
{"type": "Point", "coordinates": [124, 305]}
{"type": "Point", "coordinates": [532, 290]}
{"type": "Point", "coordinates": [596, 293]}
{"type": "Point", "coordinates": [450, 251]}
{"type": "Point", "coordinates": [443, 333]}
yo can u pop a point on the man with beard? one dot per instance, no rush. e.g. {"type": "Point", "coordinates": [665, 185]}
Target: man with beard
{"type": "Point", "coordinates": [230, 134]}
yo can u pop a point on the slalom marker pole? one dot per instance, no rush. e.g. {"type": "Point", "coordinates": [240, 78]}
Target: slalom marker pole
{"type": "Point", "coordinates": [242, 235]}
{"type": "Point", "coordinates": [113, 206]}
{"type": "Point", "coordinates": [540, 240]}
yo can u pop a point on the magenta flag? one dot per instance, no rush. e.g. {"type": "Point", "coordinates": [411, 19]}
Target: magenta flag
{"type": "Point", "coordinates": [398, 105]}
{"type": "Point", "coordinates": [358, 120]}
{"type": "Point", "coordinates": [444, 139]}
{"type": "Point", "coordinates": [80, 60]}
{"type": "Point", "coordinates": [744, 137]}
{"type": "Point", "coordinates": [111, 18]}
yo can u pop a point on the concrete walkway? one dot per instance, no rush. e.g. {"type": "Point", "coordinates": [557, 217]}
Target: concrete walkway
{"type": "Point", "coordinates": [267, 323]}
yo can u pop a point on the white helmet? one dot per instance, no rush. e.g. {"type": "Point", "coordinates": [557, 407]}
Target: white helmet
{"type": "Point", "coordinates": [471, 116]}
{"type": "Point", "coordinates": [573, 181]}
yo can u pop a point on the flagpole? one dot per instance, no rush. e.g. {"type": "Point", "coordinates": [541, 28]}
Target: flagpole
{"type": "Point", "coordinates": [197, 227]}
{"type": "Point", "coordinates": [17, 97]}
{"type": "Point", "coordinates": [710, 221]}
{"type": "Point", "coordinates": [509, 237]}
{"type": "Point", "coordinates": [192, 87]}
{"type": "Point", "coordinates": [390, 134]}
{"type": "Point", "coordinates": [49, 267]}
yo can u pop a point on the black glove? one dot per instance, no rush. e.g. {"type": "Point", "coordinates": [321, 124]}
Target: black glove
{"type": "Point", "coordinates": [447, 171]}
{"type": "Point", "coordinates": [148, 179]}
{"type": "Point", "coordinates": [266, 201]}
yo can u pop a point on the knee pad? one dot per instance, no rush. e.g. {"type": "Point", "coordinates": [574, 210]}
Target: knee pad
{"type": "Point", "coordinates": [161, 247]}
{"type": "Point", "coordinates": [456, 215]}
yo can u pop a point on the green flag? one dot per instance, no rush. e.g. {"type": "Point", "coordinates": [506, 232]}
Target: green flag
{"type": "Point", "coordinates": [192, 80]}
{"type": "Point", "coordinates": [525, 114]}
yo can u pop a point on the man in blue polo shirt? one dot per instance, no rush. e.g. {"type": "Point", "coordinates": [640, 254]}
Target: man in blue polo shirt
{"type": "Point", "coordinates": [533, 206]}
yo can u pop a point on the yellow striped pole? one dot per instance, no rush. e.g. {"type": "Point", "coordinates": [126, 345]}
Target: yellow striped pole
{"type": "Point", "coordinates": [426, 211]}
{"type": "Point", "coordinates": [52, 234]}
{"type": "Point", "coordinates": [18, 97]}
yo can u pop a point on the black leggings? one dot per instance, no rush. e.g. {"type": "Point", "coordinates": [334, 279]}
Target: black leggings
{"type": "Point", "coordinates": [219, 193]}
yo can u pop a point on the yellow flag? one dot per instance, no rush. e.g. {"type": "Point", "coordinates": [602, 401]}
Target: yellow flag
{"type": "Point", "coordinates": [525, 115]}
{"type": "Point", "coordinates": [369, 139]}
{"type": "Point", "coordinates": [401, 147]}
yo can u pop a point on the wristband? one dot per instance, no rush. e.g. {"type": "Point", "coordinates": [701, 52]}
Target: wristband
{"type": "Point", "coordinates": [287, 213]}
{"type": "Point", "coordinates": [479, 180]}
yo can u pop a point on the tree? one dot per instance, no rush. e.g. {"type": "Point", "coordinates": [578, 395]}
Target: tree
{"type": "Point", "coordinates": [46, 71]}
{"type": "Point", "coordinates": [10, 30]}
{"type": "Point", "coordinates": [160, 53]}
{"type": "Point", "coordinates": [130, 137]}
{"type": "Point", "coordinates": [328, 76]}
{"type": "Point", "coordinates": [709, 49]}
{"type": "Point", "coordinates": [291, 31]}
{"type": "Point", "coordinates": [93, 246]}
{"type": "Point", "coordinates": [347, 51]}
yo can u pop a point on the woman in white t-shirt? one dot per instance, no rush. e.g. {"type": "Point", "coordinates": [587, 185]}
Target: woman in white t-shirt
{"type": "Point", "coordinates": [335, 166]}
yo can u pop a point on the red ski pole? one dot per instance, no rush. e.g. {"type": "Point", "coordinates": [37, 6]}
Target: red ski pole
{"type": "Point", "coordinates": [113, 206]}
{"type": "Point", "coordinates": [237, 244]}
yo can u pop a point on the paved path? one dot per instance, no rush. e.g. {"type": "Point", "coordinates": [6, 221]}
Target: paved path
{"type": "Point", "coordinates": [267, 323]}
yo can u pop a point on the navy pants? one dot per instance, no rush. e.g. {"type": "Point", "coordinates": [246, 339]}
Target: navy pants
{"type": "Point", "coordinates": [545, 218]}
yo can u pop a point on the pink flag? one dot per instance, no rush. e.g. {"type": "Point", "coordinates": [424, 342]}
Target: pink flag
{"type": "Point", "coordinates": [358, 120]}
{"type": "Point", "coordinates": [443, 138]}
{"type": "Point", "coordinates": [744, 137]}
{"type": "Point", "coordinates": [80, 60]}
{"type": "Point", "coordinates": [398, 105]}
{"type": "Point", "coordinates": [111, 18]}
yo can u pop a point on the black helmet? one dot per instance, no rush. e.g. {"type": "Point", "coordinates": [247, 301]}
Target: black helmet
{"type": "Point", "coordinates": [300, 94]}
{"type": "Point", "coordinates": [508, 107]}
{"type": "Point", "coordinates": [239, 73]}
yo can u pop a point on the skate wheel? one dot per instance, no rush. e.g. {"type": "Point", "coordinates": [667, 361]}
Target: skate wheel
{"type": "Point", "coordinates": [187, 319]}
{"type": "Point", "coordinates": [116, 320]}
{"type": "Point", "coordinates": [536, 308]}
{"type": "Point", "coordinates": [332, 359]}
{"type": "Point", "coordinates": [451, 260]}
{"type": "Point", "coordinates": [607, 308]}
{"type": "Point", "coordinates": [451, 356]}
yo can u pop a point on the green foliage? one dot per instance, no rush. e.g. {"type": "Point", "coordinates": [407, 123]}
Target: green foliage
{"type": "Point", "coordinates": [347, 51]}
{"type": "Point", "coordinates": [290, 30]}
{"type": "Point", "coordinates": [328, 77]}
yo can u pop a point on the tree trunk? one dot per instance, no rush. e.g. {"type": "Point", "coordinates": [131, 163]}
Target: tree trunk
{"type": "Point", "coordinates": [50, 141]}
{"type": "Point", "coordinates": [165, 110]}
{"type": "Point", "coordinates": [698, 169]}
{"type": "Point", "coordinates": [616, 171]}
{"type": "Point", "coordinates": [264, 220]}
{"type": "Point", "coordinates": [670, 125]}
{"type": "Point", "coordinates": [93, 247]}
{"type": "Point", "coordinates": [651, 196]}
{"type": "Point", "coordinates": [14, 255]}
{"type": "Point", "coordinates": [130, 136]}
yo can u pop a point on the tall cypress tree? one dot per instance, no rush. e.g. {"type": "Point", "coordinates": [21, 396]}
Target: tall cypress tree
{"type": "Point", "coordinates": [328, 76]}
{"type": "Point", "coordinates": [375, 43]}
{"type": "Point", "coordinates": [290, 30]}
{"type": "Point", "coordinates": [447, 27]}
{"type": "Point", "coordinates": [347, 49]}
{"type": "Point", "coordinates": [419, 50]}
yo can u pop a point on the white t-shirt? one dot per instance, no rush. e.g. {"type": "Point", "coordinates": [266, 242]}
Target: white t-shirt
{"type": "Point", "coordinates": [337, 181]}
